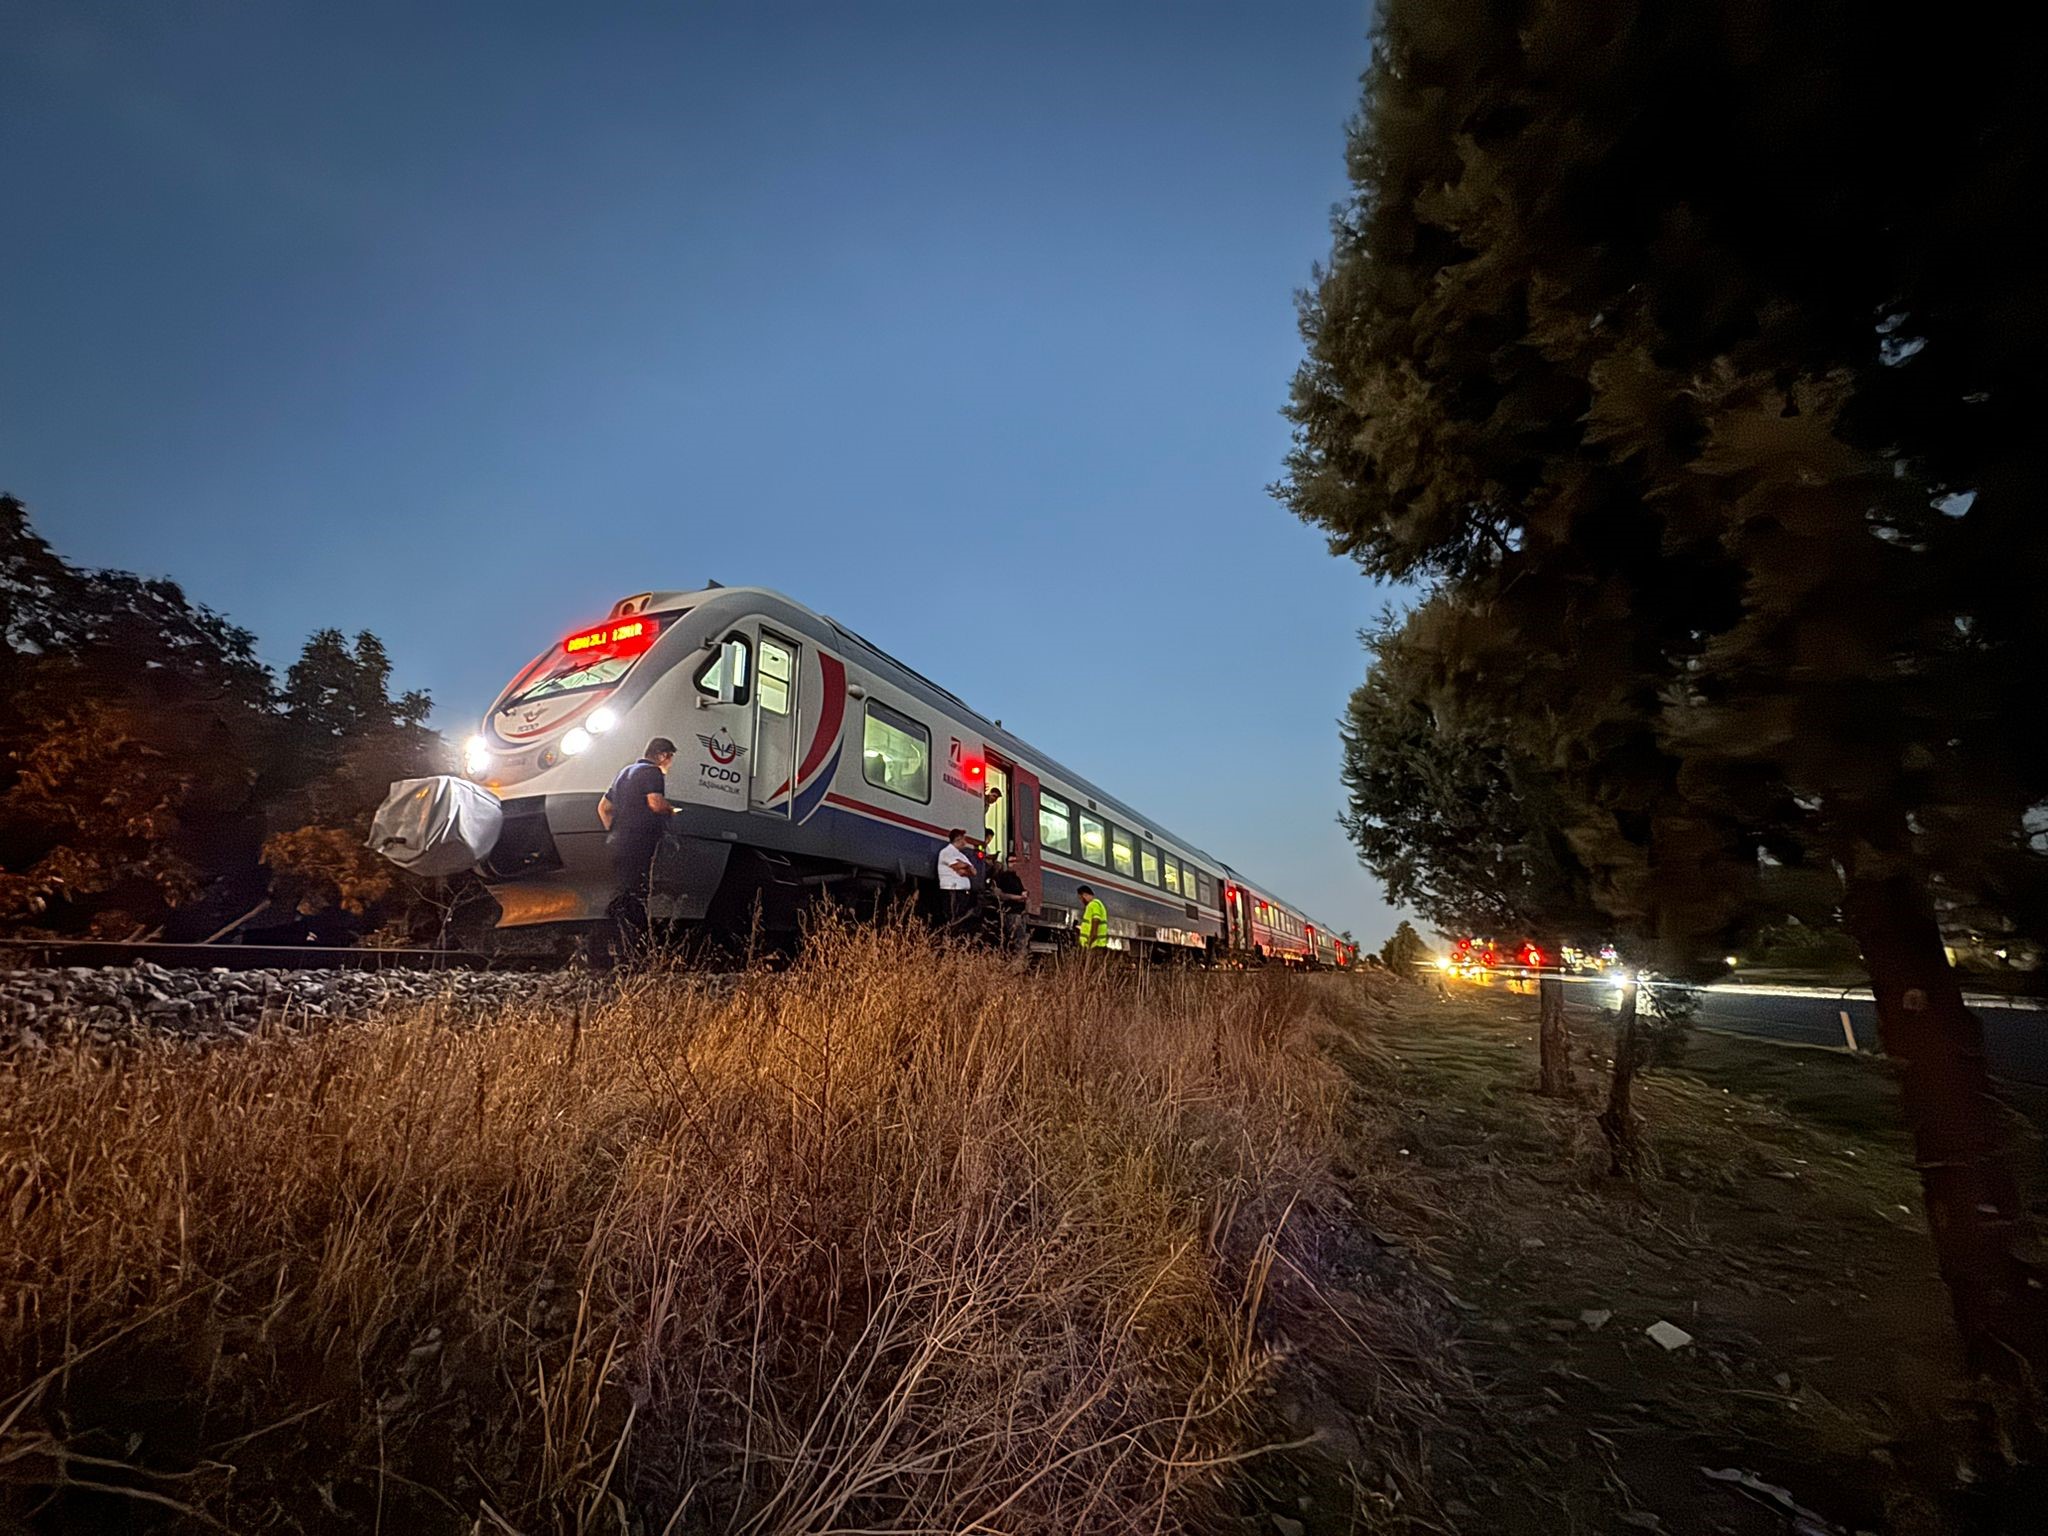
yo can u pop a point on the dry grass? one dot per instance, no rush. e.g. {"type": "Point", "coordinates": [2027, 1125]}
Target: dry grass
{"type": "Point", "coordinates": [898, 1240]}
{"type": "Point", "coordinates": [1775, 1220]}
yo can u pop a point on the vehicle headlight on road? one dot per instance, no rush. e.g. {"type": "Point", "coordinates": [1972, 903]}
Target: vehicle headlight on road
{"type": "Point", "coordinates": [600, 721]}
{"type": "Point", "coordinates": [576, 741]}
{"type": "Point", "coordinates": [476, 756]}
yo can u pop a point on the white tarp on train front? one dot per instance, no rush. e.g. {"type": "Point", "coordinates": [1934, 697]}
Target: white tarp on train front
{"type": "Point", "coordinates": [437, 826]}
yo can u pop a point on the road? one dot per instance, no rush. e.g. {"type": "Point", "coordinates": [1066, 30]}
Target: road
{"type": "Point", "coordinates": [2015, 1033]}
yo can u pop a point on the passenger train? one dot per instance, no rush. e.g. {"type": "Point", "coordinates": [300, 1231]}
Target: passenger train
{"type": "Point", "coordinates": [812, 762]}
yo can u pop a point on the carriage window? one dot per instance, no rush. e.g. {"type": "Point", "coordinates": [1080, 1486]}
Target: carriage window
{"type": "Point", "coordinates": [1205, 892]}
{"type": "Point", "coordinates": [896, 753]}
{"type": "Point", "coordinates": [777, 665]}
{"type": "Point", "coordinates": [710, 675]}
{"type": "Point", "coordinates": [1055, 824]}
{"type": "Point", "coordinates": [1173, 874]}
{"type": "Point", "coordinates": [1094, 840]}
{"type": "Point", "coordinates": [1122, 851]}
{"type": "Point", "coordinates": [1148, 861]}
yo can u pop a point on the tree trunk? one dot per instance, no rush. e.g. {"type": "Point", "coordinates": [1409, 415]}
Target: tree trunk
{"type": "Point", "coordinates": [1553, 1041]}
{"type": "Point", "coordinates": [1618, 1120]}
{"type": "Point", "coordinates": [1966, 1170]}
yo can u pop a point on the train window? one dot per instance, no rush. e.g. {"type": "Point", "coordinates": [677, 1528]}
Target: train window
{"type": "Point", "coordinates": [896, 753]}
{"type": "Point", "coordinates": [1148, 862]}
{"type": "Point", "coordinates": [1094, 840]}
{"type": "Point", "coordinates": [1173, 874]}
{"type": "Point", "coordinates": [1055, 824]}
{"type": "Point", "coordinates": [1205, 890]}
{"type": "Point", "coordinates": [1123, 852]}
{"type": "Point", "coordinates": [709, 678]}
{"type": "Point", "coordinates": [777, 667]}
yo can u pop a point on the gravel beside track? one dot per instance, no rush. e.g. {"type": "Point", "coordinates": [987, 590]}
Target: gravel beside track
{"type": "Point", "coordinates": [115, 1004]}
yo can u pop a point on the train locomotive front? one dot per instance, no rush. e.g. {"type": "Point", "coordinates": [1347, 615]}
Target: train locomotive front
{"type": "Point", "coordinates": [753, 690]}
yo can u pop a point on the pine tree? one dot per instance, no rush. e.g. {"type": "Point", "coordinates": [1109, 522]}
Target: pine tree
{"type": "Point", "coordinates": [1405, 953]}
{"type": "Point", "coordinates": [351, 741]}
{"type": "Point", "coordinates": [1694, 355]}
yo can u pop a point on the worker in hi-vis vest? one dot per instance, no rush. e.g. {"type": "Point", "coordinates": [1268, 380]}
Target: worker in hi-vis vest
{"type": "Point", "coordinates": [1094, 921]}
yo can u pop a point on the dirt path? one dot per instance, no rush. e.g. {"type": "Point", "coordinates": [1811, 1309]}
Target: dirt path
{"type": "Point", "coordinates": [1778, 1228]}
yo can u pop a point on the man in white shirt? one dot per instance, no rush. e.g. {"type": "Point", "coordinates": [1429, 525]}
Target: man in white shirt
{"type": "Point", "coordinates": [956, 880]}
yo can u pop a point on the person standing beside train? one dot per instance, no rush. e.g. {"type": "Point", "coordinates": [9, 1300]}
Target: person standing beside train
{"type": "Point", "coordinates": [1006, 888]}
{"type": "Point", "coordinates": [632, 812]}
{"type": "Point", "coordinates": [1094, 925]}
{"type": "Point", "coordinates": [956, 879]}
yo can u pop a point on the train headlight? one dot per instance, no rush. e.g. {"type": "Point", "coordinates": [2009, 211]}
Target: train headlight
{"type": "Point", "coordinates": [476, 756]}
{"type": "Point", "coordinates": [600, 721]}
{"type": "Point", "coordinates": [576, 741]}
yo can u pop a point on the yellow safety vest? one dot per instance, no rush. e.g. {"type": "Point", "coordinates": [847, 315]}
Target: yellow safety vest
{"type": "Point", "coordinates": [1094, 921]}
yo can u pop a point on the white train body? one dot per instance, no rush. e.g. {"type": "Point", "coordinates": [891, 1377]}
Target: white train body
{"type": "Point", "coordinates": [810, 760]}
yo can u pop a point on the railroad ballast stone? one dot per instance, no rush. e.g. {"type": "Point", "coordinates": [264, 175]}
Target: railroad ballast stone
{"type": "Point", "coordinates": [39, 1007]}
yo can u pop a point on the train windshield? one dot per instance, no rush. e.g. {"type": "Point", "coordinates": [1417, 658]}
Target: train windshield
{"type": "Point", "coordinates": [598, 658]}
{"type": "Point", "coordinates": [572, 674]}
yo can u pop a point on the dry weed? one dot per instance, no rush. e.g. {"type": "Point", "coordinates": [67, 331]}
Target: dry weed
{"type": "Point", "coordinates": [897, 1240]}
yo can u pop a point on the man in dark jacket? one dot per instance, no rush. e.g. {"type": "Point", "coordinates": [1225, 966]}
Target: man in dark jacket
{"type": "Point", "coordinates": [632, 811]}
{"type": "Point", "coordinates": [1006, 889]}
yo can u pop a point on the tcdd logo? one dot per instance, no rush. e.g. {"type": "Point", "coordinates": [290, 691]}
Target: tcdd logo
{"type": "Point", "coordinates": [723, 749]}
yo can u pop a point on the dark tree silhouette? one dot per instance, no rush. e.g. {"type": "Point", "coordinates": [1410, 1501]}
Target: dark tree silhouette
{"type": "Point", "coordinates": [1697, 364]}
{"type": "Point", "coordinates": [1404, 952]}
{"type": "Point", "coordinates": [152, 767]}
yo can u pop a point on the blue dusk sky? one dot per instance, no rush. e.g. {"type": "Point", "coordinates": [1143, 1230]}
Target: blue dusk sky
{"type": "Point", "coordinates": [969, 325]}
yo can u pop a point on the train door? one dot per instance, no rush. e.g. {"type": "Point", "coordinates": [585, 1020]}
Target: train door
{"type": "Point", "coordinates": [1013, 820]}
{"type": "Point", "coordinates": [778, 712]}
{"type": "Point", "coordinates": [995, 808]}
{"type": "Point", "coordinates": [1237, 913]}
